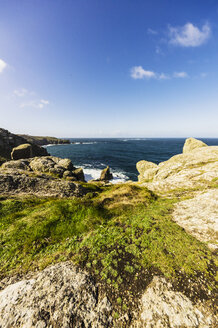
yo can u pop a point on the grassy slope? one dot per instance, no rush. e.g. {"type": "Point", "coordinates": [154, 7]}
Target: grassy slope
{"type": "Point", "coordinates": [122, 235]}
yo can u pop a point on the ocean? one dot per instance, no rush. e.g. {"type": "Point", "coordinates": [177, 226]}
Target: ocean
{"type": "Point", "coordinates": [122, 154]}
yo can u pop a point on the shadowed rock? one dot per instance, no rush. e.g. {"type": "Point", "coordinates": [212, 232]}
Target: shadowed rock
{"type": "Point", "coordinates": [22, 151]}
{"type": "Point", "coordinates": [106, 175]}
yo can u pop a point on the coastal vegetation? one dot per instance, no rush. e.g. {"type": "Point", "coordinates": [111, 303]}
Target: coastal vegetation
{"type": "Point", "coordinates": [122, 234]}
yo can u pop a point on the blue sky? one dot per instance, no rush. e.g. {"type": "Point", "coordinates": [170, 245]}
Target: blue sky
{"type": "Point", "coordinates": [93, 68]}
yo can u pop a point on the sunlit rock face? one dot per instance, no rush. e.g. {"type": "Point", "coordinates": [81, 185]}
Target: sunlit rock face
{"type": "Point", "coordinates": [197, 166]}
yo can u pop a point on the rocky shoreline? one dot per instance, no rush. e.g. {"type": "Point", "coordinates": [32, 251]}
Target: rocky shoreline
{"type": "Point", "coordinates": [73, 293]}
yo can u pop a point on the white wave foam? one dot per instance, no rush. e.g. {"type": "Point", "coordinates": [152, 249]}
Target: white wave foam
{"type": "Point", "coordinates": [94, 173]}
{"type": "Point", "coordinates": [134, 139]}
{"type": "Point", "coordinates": [84, 143]}
{"type": "Point", "coordinates": [49, 145]}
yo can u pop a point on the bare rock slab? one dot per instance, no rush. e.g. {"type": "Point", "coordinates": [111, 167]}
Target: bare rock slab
{"type": "Point", "coordinates": [59, 296]}
{"type": "Point", "coordinates": [162, 307]}
{"type": "Point", "coordinates": [199, 216]}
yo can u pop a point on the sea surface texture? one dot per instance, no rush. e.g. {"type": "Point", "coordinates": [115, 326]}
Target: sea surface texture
{"type": "Point", "coordinates": [93, 155]}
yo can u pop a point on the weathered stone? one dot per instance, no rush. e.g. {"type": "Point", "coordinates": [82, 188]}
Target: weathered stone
{"type": "Point", "coordinates": [19, 164]}
{"type": "Point", "coordinates": [59, 296]}
{"type": "Point", "coordinates": [189, 170]}
{"type": "Point", "coordinates": [22, 151]}
{"type": "Point", "coordinates": [147, 170]}
{"type": "Point", "coordinates": [42, 164]}
{"type": "Point", "coordinates": [191, 144]}
{"type": "Point", "coordinates": [162, 307]}
{"type": "Point", "coordinates": [79, 174]}
{"type": "Point", "coordinates": [106, 175]}
{"type": "Point", "coordinates": [64, 296]}
{"type": "Point", "coordinates": [15, 183]}
{"type": "Point", "coordinates": [67, 174]}
{"type": "Point", "coordinates": [199, 216]}
{"type": "Point", "coordinates": [66, 164]}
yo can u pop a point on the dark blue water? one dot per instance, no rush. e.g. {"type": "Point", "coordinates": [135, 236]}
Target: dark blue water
{"type": "Point", "coordinates": [120, 154]}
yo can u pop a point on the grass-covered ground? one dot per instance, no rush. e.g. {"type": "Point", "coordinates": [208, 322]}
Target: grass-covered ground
{"type": "Point", "coordinates": [122, 234]}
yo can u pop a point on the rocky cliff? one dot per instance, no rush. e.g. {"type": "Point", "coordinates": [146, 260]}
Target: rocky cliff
{"type": "Point", "coordinates": [9, 140]}
{"type": "Point", "coordinates": [40, 141]}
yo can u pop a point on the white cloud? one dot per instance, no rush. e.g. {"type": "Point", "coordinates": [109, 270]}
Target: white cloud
{"type": "Point", "coordinates": [180, 74]}
{"type": "Point", "coordinates": [163, 76]}
{"type": "Point", "coordinates": [20, 92]}
{"type": "Point", "coordinates": [151, 31]}
{"type": "Point", "coordinates": [189, 35]}
{"type": "Point", "coordinates": [2, 65]}
{"type": "Point", "coordinates": [35, 104]}
{"type": "Point", "coordinates": [44, 102]}
{"type": "Point", "coordinates": [138, 72]}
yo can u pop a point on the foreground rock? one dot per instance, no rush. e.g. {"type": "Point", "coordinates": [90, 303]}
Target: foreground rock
{"type": "Point", "coordinates": [41, 176]}
{"type": "Point", "coordinates": [162, 307]}
{"type": "Point", "coordinates": [62, 296]}
{"type": "Point", "coordinates": [8, 141]}
{"type": "Point", "coordinates": [192, 169]}
{"type": "Point", "coordinates": [59, 296]}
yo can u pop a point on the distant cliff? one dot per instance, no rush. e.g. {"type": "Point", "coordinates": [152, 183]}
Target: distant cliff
{"type": "Point", "coordinates": [40, 141]}
{"type": "Point", "coordinates": [9, 140]}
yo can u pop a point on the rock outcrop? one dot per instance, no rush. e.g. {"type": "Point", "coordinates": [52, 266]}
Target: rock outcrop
{"type": "Point", "coordinates": [191, 144]}
{"type": "Point", "coordinates": [22, 151]}
{"type": "Point", "coordinates": [193, 168]}
{"type": "Point", "coordinates": [106, 175]}
{"type": "Point", "coordinates": [8, 141]}
{"type": "Point", "coordinates": [41, 176]}
{"type": "Point", "coordinates": [59, 296]}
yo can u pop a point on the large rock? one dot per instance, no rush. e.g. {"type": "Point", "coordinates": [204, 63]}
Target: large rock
{"type": "Point", "coordinates": [56, 166]}
{"type": "Point", "coordinates": [60, 296]}
{"type": "Point", "coordinates": [191, 144]}
{"type": "Point", "coordinates": [106, 175]}
{"type": "Point", "coordinates": [192, 169]}
{"type": "Point", "coordinates": [22, 151]}
{"type": "Point", "coordinates": [41, 176]}
{"type": "Point", "coordinates": [21, 184]}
